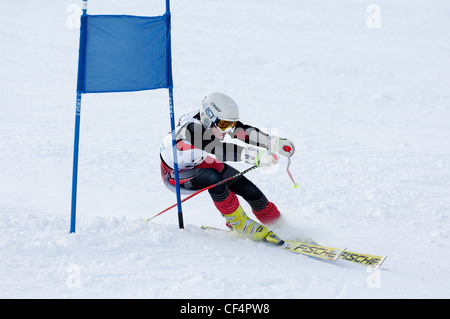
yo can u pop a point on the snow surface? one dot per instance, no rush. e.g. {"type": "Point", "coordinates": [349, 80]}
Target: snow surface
{"type": "Point", "coordinates": [368, 109]}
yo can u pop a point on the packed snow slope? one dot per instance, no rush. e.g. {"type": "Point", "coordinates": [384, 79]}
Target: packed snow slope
{"type": "Point", "coordinates": [361, 87]}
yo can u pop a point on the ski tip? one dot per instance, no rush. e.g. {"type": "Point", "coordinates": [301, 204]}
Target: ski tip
{"type": "Point", "coordinates": [378, 265]}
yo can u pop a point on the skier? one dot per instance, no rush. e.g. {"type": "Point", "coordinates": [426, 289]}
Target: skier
{"type": "Point", "coordinates": [200, 136]}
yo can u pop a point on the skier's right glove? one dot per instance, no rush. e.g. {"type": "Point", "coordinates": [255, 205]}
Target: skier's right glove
{"type": "Point", "coordinates": [259, 157]}
{"type": "Point", "coordinates": [281, 146]}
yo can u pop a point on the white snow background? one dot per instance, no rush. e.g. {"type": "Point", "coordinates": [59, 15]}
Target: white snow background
{"type": "Point", "coordinates": [361, 87]}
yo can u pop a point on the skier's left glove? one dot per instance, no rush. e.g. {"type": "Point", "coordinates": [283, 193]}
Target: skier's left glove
{"type": "Point", "coordinates": [259, 157]}
{"type": "Point", "coordinates": [281, 146]}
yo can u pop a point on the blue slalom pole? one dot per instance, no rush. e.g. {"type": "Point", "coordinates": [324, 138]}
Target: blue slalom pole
{"type": "Point", "coordinates": [75, 164]}
{"type": "Point", "coordinates": [77, 125]}
{"type": "Point", "coordinates": [175, 160]}
{"type": "Point", "coordinates": [172, 124]}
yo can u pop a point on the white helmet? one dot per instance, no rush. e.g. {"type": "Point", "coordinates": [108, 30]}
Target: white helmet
{"type": "Point", "coordinates": [219, 109]}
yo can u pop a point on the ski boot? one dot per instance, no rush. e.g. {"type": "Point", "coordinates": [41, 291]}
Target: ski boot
{"type": "Point", "coordinates": [273, 238]}
{"type": "Point", "coordinates": [241, 223]}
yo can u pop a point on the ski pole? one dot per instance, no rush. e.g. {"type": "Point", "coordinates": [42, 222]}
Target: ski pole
{"type": "Point", "coordinates": [296, 185]}
{"type": "Point", "coordinates": [204, 189]}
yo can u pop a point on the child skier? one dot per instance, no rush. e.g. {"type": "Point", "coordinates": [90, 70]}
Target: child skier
{"type": "Point", "coordinates": [199, 135]}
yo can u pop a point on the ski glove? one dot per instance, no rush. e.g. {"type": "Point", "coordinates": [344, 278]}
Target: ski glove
{"type": "Point", "coordinates": [281, 146]}
{"type": "Point", "coordinates": [259, 157]}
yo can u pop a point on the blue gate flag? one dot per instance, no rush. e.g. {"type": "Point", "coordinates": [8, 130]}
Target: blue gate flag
{"type": "Point", "coordinates": [121, 53]}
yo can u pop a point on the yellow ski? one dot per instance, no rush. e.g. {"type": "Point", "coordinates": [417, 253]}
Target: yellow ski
{"type": "Point", "coordinates": [317, 251]}
{"type": "Point", "coordinates": [371, 261]}
{"type": "Point", "coordinates": [323, 252]}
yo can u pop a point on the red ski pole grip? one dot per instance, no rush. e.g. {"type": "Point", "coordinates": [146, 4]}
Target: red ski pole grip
{"type": "Point", "coordinates": [287, 148]}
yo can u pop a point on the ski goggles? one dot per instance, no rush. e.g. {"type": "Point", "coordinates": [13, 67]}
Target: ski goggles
{"type": "Point", "coordinates": [225, 125]}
